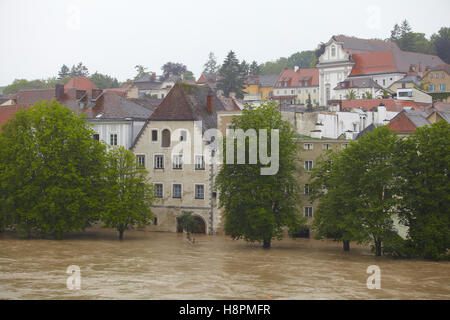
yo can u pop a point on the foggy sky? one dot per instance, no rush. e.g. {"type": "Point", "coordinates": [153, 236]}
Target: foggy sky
{"type": "Point", "coordinates": [38, 36]}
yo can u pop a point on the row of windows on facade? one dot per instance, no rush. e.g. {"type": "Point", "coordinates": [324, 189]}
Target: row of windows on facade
{"type": "Point", "coordinates": [300, 84]}
{"type": "Point", "coordinates": [177, 191]}
{"type": "Point", "coordinates": [298, 91]}
{"type": "Point", "coordinates": [442, 87]}
{"type": "Point", "coordinates": [326, 146]}
{"type": "Point", "coordinates": [177, 161]}
{"type": "Point", "coordinates": [436, 75]}
{"type": "Point", "coordinates": [165, 134]}
{"type": "Point", "coordinates": [112, 138]}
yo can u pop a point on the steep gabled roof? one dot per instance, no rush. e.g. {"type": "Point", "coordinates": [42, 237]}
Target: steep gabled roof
{"type": "Point", "coordinates": [373, 63]}
{"type": "Point", "coordinates": [188, 103]}
{"type": "Point", "coordinates": [80, 83]}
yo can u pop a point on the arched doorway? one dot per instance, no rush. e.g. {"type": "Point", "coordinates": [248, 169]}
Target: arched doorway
{"type": "Point", "coordinates": [200, 225]}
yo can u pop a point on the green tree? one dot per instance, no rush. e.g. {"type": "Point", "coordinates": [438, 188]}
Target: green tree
{"type": "Point", "coordinates": [256, 206]}
{"type": "Point", "coordinates": [359, 182]}
{"type": "Point", "coordinates": [79, 70]}
{"type": "Point", "coordinates": [423, 185]}
{"type": "Point", "coordinates": [274, 67]}
{"type": "Point", "coordinates": [189, 75]}
{"type": "Point", "coordinates": [254, 68]}
{"type": "Point", "coordinates": [309, 106]}
{"type": "Point", "coordinates": [232, 76]}
{"type": "Point", "coordinates": [367, 95]}
{"type": "Point", "coordinates": [141, 71]}
{"type": "Point", "coordinates": [301, 59]}
{"type": "Point", "coordinates": [64, 72]}
{"type": "Point", "coordinates": [187, 221]}
{"type": "Point", "coordinates": [176, 69]}
{"type": "Point", "coordinates": [211, 67]}
{"type": "Point", "coordinates": [441, 44]}
{"type": "Point", "coordinates": [104, 81]}
{"type": "Point", "coordinates": [50, 170]}
{"type": "Point", "coordinates": [127, 195]}
{"type": "Point", "coordinates": [351, 95]}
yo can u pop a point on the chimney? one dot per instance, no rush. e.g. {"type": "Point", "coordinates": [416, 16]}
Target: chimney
{"type": "Point", "coordinates": [210, 101]}
{"type": "Point", "coordinates": [59, 91]}
{"type": "Point", "coordinates": [317, 134]}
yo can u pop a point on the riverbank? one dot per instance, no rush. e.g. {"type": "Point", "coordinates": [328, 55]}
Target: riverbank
{"type": "Point", "coordinates": [153, 265]}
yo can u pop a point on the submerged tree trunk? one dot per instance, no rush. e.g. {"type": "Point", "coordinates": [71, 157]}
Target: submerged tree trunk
{"type": "Point", "coordinates": [121, 234]}
{"type": "Point", "coordinates": [346, 244]}
{"type": "Point", "coordinates": [266, 243]}
{"type": "Point", "coordinates": [378, 248]}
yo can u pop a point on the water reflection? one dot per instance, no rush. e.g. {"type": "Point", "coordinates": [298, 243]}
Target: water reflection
{"type": "Point", "coordinates": [151, 265]}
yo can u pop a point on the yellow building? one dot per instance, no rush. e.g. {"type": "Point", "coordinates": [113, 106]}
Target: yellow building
{"type": "Point", "coordinates": [259, 88]}
{"type": "Point", "coordinates": [437, 82]}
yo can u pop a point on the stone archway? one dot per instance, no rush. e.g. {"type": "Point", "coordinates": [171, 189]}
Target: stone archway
{"type": "Point", "coordinates": [200, 227]}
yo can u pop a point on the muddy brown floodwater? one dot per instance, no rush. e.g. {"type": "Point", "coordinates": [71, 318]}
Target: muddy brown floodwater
{"type": "Point", "coordinates": [151, 265]}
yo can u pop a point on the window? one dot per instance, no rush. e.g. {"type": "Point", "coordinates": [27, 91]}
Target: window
{"type": "Point", "coordinates": [159, 161]}
{"type": "Point", "coordinates": [199, 163]}
{"type": "Point", "coordinates": [155, 221]}
{"type": "Point", "coordinates": [405, 94]}
{"type": "Point", "coordinates": [308, 146]}
{"type": "Point", "coordinates": [176, 191]}
{"type": "Point", "coordinates": [333, 51]}
{"type": "Point", "coordinates": [308, 165]}
{"type": "Point", "coordinates": [113, 139]}
{"type": "Point", "coordinates": [344, 145]}
{"type": "Point", "coordinates": [141, 160]}
{"type": "Point", "coordinates": [437, 75]}
{"type": "Point", "coordinates": [326, 146]}
{"type": "Point", "coordinates": [431, 87]}
{"type": "Point", "coordinates": [308, 212]}
{"type": "Point", "coordinates": [431, 76]}
{"type": "Point", "coordinates": [442, 87]}
{"type": "Point", "coordinates": [299, 91]}
{"type": "Point", "coordinates": [307, 189]}
{"type": "Point", "coordinates": [154, 135]}
{"type": "Point", "coordinates": [178, 162]}
{"type": "Point", "coordinates": [199, 191]}
{"type": "Point", "coordinates": [292, 91]}
{"type": "Point", "coordinates": [96, 136]}
{"type": "Point", "coordinates": [314, 90]}
{"type": "Point", "coordinates": [165, 138]}
{"type": "Point", "coordinates": [384, 82]}
{"type": "Point", "coordinates": [442, 75]}
{"type": "Point", "coordinates": [183, 135]}
{"type": "Point", "coordinates": [159, 191]}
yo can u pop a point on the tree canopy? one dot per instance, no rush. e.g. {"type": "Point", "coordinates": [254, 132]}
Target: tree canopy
{"type": "Point", "coordinates": [50, 171]}
{"type": "Point", "coordinates": [257, 207]}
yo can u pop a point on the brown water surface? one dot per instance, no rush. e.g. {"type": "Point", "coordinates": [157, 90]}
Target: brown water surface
{"type": "Point", "coordinates": [151, 265]}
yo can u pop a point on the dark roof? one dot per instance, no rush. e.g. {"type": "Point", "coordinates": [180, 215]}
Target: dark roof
{"type": "Point", "coordinates": [442, 67]}
{"type": "Point", "coordinates": [188, 103]}
{"type": "Point", "coordinates": [366, 82]}
{"type": "Point", "coordinates": [31, 96]}
{"type": "Point", "coordinates": [369, 128]}
{"type": "Point", "coordinates": [267, 80]}
{"type": "Point", "coordinates": [357, 45]}
{"type": "Point", "coordinates": [411, 78]}
{"type": "Point", "coordinates": [109, 106]}
{"type": "Point", "coordinates": [148, 103]}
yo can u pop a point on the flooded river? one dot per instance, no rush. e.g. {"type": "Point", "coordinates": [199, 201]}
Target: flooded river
{"type": "Point", "coordinates": [151, 265]}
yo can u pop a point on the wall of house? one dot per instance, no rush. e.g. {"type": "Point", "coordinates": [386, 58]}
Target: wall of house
{"type": "Point", "coordinates": [167, 208]}
{"type": "Point", "coordinates": [123, 129]}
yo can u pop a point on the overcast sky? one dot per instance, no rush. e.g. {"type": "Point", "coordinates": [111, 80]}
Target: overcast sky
{"type": "Point", "coordinates": [38, 36]}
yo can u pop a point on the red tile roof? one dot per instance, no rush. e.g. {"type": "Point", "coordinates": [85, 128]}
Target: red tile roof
{"type": "Point", "coordinates": [391, 104]}
{"type": "Point", "coordinates": [29, 97]}
{"type": "Point", "coordinates": [7, 112]}
{"type": "Point", "coordinates": [293, 79]}
{"type": "Point", "coordinates": [80, 83]}
{"type": "Point", "coordinates": [373, 63]}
